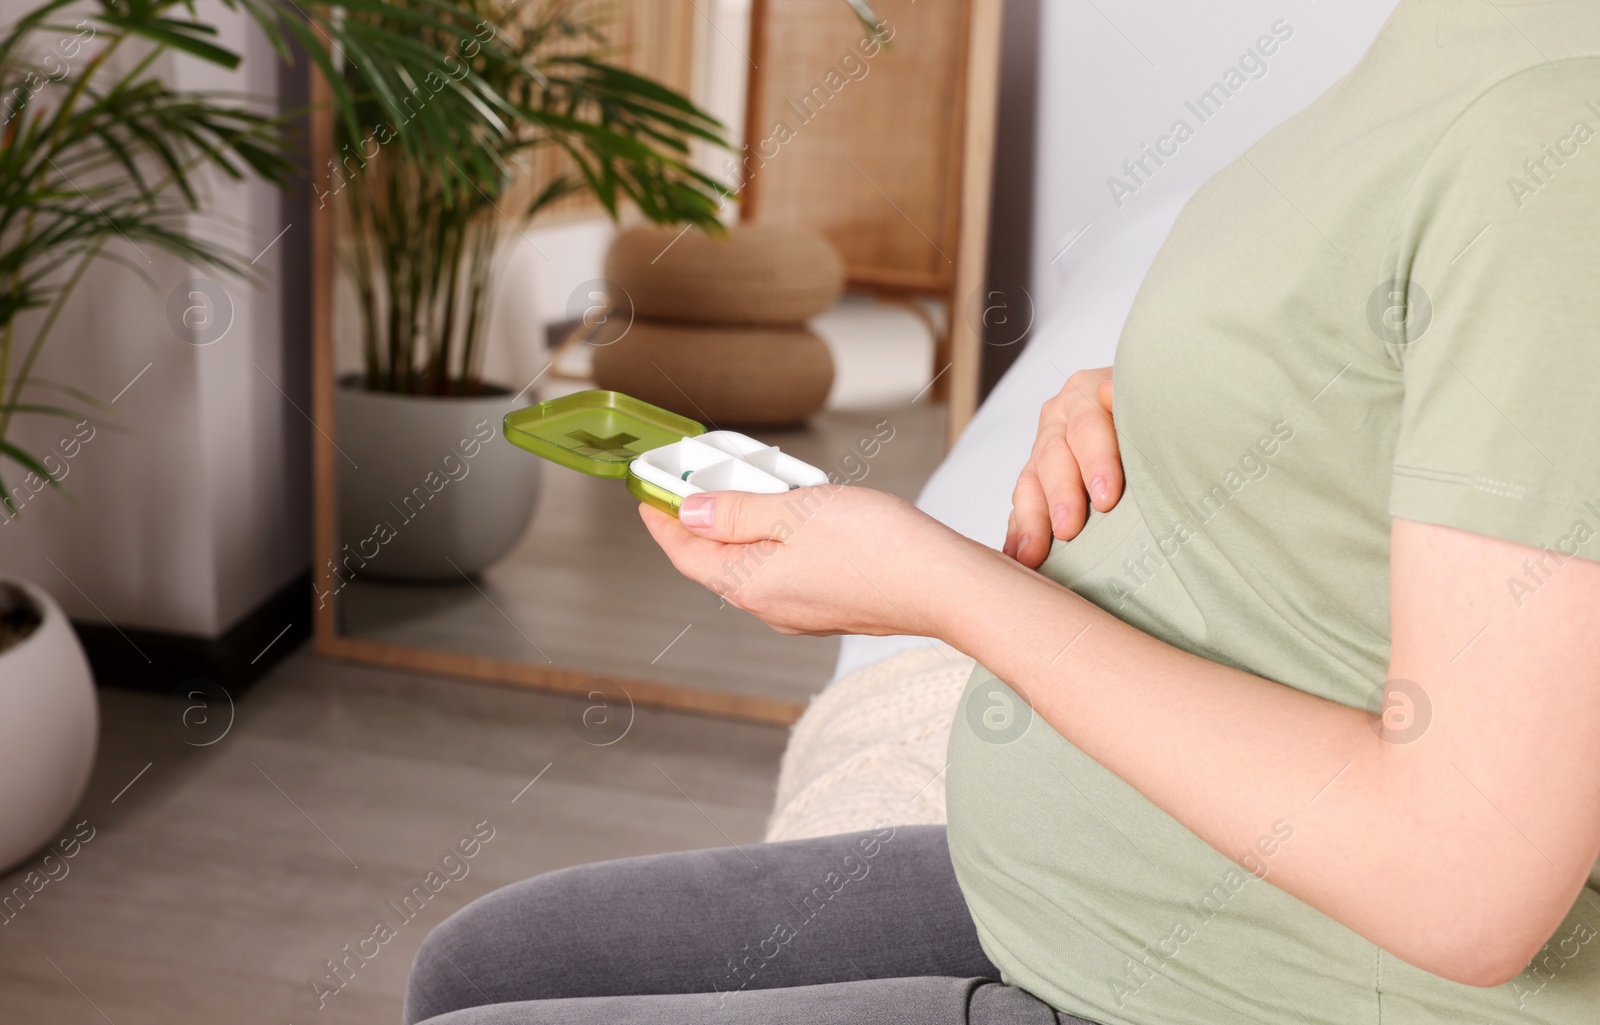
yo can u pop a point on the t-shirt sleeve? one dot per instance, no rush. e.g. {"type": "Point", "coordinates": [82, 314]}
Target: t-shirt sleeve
{"type": "Point", "coordinates": [1494, 314]}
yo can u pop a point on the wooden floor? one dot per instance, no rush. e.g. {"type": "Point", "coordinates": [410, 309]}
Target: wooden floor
{"type": "Point", "coordinates": [221, 879]}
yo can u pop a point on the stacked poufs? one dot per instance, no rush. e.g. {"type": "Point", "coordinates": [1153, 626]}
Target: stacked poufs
{"type": "Point", "coordinates": [718, 331]}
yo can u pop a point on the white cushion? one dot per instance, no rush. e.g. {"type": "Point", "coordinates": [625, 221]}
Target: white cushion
{"type": "Point", "coordinates": [870, 748]}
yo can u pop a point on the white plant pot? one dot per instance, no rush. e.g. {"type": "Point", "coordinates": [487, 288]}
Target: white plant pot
{"type": "Point", "coordinates": [52, 725]}
{"type": "Point", "coordinates": [428, 488]}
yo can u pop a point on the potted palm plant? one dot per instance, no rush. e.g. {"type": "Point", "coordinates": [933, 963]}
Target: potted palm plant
{"type": "Point", "coordinates": [425, 233]}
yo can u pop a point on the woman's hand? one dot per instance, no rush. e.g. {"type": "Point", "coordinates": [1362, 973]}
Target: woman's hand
{"type": "Point", "coordinates": [1075, 462]}
{"type": "Point", "coordinates": [823, 560]}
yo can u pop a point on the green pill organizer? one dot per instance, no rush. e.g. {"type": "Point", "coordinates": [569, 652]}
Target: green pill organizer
{"type": "Point", "coordinates": [664, 457]}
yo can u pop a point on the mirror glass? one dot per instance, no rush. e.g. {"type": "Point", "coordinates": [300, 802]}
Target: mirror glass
{"type": "Point", "coordinates": [452, 540]}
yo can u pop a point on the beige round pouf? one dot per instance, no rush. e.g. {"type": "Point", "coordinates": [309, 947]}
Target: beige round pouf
{"type": "Point", "coordinates": [720, 376]}
{"type": "Point", "coordinates": [755, 274]}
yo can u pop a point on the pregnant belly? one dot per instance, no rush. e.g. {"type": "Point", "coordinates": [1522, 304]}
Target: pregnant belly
{"type": "Point", "coordinates": [1094, 899]}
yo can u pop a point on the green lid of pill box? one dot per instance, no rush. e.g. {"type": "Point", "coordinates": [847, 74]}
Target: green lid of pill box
{"type": "Point", "coordinates": [596, 432]}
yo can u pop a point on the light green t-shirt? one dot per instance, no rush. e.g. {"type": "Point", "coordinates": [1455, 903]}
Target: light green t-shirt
{"type": "Point", "coordinates": [1389, 307]}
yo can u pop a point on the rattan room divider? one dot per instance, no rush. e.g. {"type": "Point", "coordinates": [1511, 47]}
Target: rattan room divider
{"type": "Point", "coordinates": [883, 142]}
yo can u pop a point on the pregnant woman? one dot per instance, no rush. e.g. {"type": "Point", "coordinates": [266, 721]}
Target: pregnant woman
{"type": "Point", "coordinates": [1348, 462]}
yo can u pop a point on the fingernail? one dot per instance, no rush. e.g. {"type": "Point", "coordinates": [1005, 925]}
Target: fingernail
{"type": "Point", "coordinates": [1097, 488]}
{"type": "Point", "coordinates": [698, 512]}
{"type": "Point", "coordinates": [1058, 518]}
{"type": "Point", "coordinates": [1023, 544]}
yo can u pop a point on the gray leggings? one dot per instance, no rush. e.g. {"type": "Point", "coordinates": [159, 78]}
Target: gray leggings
{"type": "Point", "coordinates": [862, 927]}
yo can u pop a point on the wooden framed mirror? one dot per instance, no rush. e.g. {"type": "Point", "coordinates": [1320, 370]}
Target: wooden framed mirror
{"type": "Point", "coordinates": [581, 602]}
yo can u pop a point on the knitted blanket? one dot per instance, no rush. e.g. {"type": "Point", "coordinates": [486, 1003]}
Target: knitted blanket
{"type": "Point", "coordinates": [870, 749]}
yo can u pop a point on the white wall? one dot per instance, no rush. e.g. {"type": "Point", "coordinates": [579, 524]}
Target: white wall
{"type": "Point", "coordinates": [200, 510]}
{"type": "Point", "coordinates": [722, 69]}
{"type": "Point", "coordinates": [1113, 81]}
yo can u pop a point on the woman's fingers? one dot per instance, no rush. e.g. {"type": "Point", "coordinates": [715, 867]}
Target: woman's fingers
{"type": "Point", "coordinates": [1092, 440]}
{"type": "Point", "coordinates": [1028, 533]}
{"type": "Point", "coordinates": [1062, 485]}
{"type": "Point", "coordinates": [690, 554]}
{"type": "Point", "coordinates": [1091, 435]}
{"type": "Point", "coordinates": [1032, 549]}
{"type": "Point", "coordinates": [1075, 465]}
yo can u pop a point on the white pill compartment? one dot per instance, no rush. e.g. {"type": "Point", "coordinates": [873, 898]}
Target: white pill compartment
{"type": "Point", "coordinates": [664, 457]}
{"type": "Point", "coordinates": [723, 461]}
